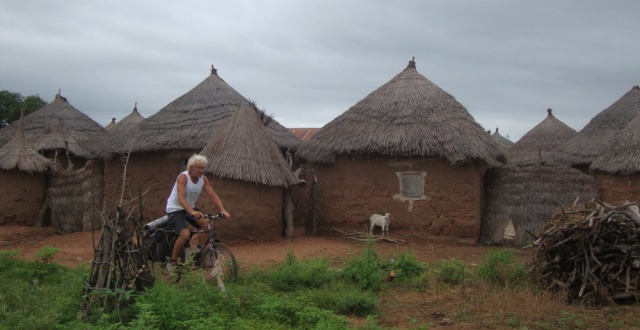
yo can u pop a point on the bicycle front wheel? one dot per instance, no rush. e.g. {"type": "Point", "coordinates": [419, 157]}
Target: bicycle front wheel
{"type": "Point", "coordinates": [220, 255]}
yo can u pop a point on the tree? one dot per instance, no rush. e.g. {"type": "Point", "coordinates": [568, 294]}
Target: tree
{"type": "Point", "coordinates": [11, 103]}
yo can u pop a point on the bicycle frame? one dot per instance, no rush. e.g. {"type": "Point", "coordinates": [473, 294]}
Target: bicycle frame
{"type": "Point", "coordinates": [214, 252]}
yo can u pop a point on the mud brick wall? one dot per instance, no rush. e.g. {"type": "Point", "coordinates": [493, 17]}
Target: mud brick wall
{"type": "Point", "coordinates": [350, 191]}
{"type": "Point", "coordinates": [21, 197]}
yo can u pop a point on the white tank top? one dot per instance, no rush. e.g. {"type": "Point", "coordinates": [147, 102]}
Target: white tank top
{"type": "Point", "coordinates": [192, 194]}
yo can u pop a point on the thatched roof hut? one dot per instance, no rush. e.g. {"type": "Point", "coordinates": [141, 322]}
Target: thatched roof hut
{"type": "Point", "coordinates": [111, 125]}
{"type": "Point", "coordinates": [127, 123]}
{"type": "Point", "coordinates": [536, 146]}
{"type": "Point", "coordinates": [623, 155]}
{"type": "Point", "coordinates": [88, 134]}
{"type": "Point", "coordinates": [18, 155]}
{"type": "Point", "coordinates": [408, 116]}
{"type": "Point", "coordinates": [527, 196]}
{"type": "Point", "coordinates": [501, 139]}
{"type": "Point", "coordinates": [242, 149]}
{"type": "Point", "coordinates": [595, 138]}
{"type": "Point", "coordinates": [190, 121]}
{"type": "Point", "coordinates": [56, 137]}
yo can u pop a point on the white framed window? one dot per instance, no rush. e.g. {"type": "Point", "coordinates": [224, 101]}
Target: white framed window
{"type": "Point", "coordinates": [412, 185]}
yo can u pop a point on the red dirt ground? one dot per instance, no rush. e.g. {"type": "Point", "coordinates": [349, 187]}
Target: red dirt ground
{"type": "Point", "coordinates": [77, 248]}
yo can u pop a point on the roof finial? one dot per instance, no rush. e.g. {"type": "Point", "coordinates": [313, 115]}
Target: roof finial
{"type": "Point", "coordinates": [412, 63]}
{"type": "Point", "coordinates": [214, 71]}
{"type": "Point", "coordinates": [636, 87]}
{"type": "Point", "coordinates": [135, 106]}
{"type": "Point", "coordinates": [496, 129]}
{"type": "Point", "coordinates": [113, 120]}
{"type": "Point", "coordinates": [549, 112]}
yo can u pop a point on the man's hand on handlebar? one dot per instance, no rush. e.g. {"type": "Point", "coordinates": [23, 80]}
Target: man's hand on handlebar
{"type": "Point", "coordinates": [226, 215]}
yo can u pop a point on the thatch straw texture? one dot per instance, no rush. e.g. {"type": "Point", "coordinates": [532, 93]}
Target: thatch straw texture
{"type": "Point", "coordinates": [128, 123]}
{"type": "Point", "coordinates": [595, 138]}
{"type": "Point", "coordinates": [111, 125]}
{"type": "Point", "coordinates": [190, 121]}
{"type": "Point", "coordinates": [408, 116]}
{"type": "Point", "coordinates": [529, 196]}
{"type": "Point", "coordinates": [16, 154]}
{"type": "Point", "coordinates": [536, 146]}
{"type": "Point", "coordinates": [501, 139]}
{"type": "Point", "coordinates": [74, 198]}
{"type": "Point", "coordinates": [242, 149]}
{"type": "Point", "coordinates": [623, 155]}
{"type": "Point", "coordinates": [85, 131]}
{"type": "Point", "coordinates": [57, 137]}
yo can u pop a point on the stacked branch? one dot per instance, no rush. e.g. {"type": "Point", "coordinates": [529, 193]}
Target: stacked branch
{"type": "Point", "coordinates": [591, 254]}
{"type": "Point", "coordinates": [119, 266]}
{"type": "Point", "coordinates": [367, 237]}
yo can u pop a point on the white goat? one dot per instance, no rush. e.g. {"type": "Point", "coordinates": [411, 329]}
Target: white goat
{"type": "Point", "coordinates": [382, 221]}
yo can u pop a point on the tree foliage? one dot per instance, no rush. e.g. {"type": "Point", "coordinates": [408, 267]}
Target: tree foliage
{"type": "Point", "coordinates": [11, 103]}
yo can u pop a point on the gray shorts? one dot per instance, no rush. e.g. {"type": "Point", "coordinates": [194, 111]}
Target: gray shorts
{"type": "Point", "coordinates": [178, 220]}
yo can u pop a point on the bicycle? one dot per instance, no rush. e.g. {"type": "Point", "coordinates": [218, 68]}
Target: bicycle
{"type": "Point", "coordinates": [160, 240]}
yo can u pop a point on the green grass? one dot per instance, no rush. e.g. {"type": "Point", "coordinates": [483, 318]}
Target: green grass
{"type": "Point", "coordinates": [292, 294]}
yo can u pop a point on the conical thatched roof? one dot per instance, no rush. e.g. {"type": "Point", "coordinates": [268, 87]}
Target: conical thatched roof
{"type": "Point", "coordinates": [623, 155]}
{"type": "Point", "coordinates": [536, 146]}
{"type": "Point", "coordinates": [242, 149]}
{"type": "Point", "coordinates": [111, 125]}
{"type": "Point", "coordinates": [16, 154]}
{"type": "Point", "coordinates": [57, 137]}
{"type": "Point", "coordinates": [501, 139]}
{"type": "Point", "coordinates": [528, 196]}
{"type": "Point", "coordinates": [595, 138]}
{"type": "Point", "coordinates": [128, 123]}
{"type": "Point", "coordinates": [87, 133]}
{"type": "Point", "coordinates": [190, 121]}
{"type": "Point", "coordinates": [408, 116]}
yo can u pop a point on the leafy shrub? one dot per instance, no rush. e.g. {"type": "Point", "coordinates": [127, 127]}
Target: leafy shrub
{"type": "Point", "coordinates": [451, 272]}
{"type": "Point", "coordinates": [501, 269]}
{"type": "Point", "coordinates": [293, 275]}
{"type": "Point", "coordinates": [405, 265]}
{"type": "Point", "coordinates": [365, 269]}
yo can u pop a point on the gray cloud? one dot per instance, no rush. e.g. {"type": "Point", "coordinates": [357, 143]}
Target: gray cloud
{"type": "Point", "coordinates": [309, 61]}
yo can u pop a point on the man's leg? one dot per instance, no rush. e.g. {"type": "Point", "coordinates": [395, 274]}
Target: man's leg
{"type": "Point", "coordinates": [183, 238]}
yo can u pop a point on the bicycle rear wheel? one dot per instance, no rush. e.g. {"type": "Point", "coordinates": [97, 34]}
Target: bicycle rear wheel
{"type": "Point", "coordinates": [227, 261]}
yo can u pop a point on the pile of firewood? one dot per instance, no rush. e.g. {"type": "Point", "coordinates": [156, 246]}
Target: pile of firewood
{"type": "Point", "coordinates": [591, 254]}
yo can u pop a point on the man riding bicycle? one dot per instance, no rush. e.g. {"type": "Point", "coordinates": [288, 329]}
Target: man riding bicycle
{"type": "Point", "coordinates": [181, 205]}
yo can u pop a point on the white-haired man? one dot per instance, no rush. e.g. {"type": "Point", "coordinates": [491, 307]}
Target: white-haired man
{"type": "Point", "coordinates": [181, 203]}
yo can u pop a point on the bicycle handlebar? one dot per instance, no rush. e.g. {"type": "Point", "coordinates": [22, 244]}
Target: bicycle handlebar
{"type": "Point", "coordinates": [214, 216]}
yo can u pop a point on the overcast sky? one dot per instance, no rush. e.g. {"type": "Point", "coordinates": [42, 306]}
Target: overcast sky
{"type": "Point", "coordinates": [307, 62]}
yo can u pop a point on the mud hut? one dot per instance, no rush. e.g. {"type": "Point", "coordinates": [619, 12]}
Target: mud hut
{"type": "Point", "coordinates": [161, 144]}
{"type": "Point", "coordinates": [408, 148]}
{"type": "Point", "coordinates": [85, 132]}
{"type": "Point", "coordinates": [127, 123]}
{"type": "Point", "coordinates": [536, 146]}
{"type": "Point", "coordinates": [111, 125]}
{"type": "Point", "coordinates": [22, 173]}
{"type": "Point", "coordinates": [525, 197]}
{"type": "Point", "coordinates": [501, 139]}
{"type": "Point", "coordinates": [596, 137]}
{"type": "Point", "coordinates": [62, 133]}
{"type": "Point", "coordinates": [617, 170]}
{"type": "Point", "coordinates": [250, 174]}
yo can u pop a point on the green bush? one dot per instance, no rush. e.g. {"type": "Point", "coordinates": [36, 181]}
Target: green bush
{"type": "Point", "coordinates": [405, 265]}
{"type": "Point", "coordinates": [365, 269]}
{"type": "Point", "coordinates": [501, 269]}
{"type": "Point", "coordinates": [293, 275]}
{"type": "Point", "coordinates": [452, 272]}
